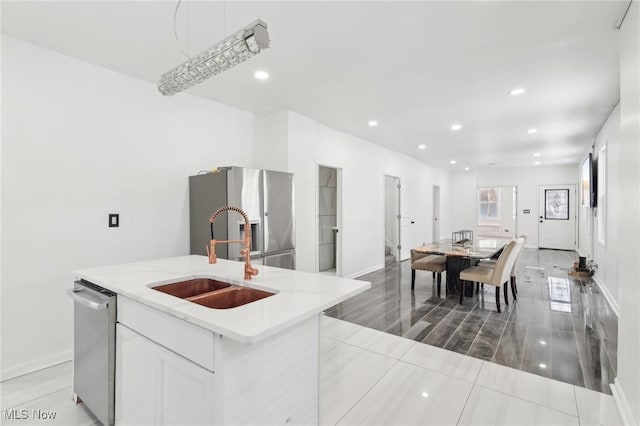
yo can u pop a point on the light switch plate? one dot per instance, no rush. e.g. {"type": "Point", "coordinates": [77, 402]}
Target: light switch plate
{"type": "Point", "coordinates": [114, 220]}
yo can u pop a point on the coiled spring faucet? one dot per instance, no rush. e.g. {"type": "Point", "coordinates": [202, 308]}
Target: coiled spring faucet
{"type": "Point", "coordinates": [249, 271]}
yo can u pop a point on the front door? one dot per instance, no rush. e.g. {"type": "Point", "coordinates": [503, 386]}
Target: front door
{"type": "Point", "coordinates": [557, 217]}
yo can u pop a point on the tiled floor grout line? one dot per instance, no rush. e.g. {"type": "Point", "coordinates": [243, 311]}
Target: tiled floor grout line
{"type": "Point", "coordinates": [337, 319]}
{"type": "Point", "coordinates": [36, 371]}
{"type": "Point", "coordinates": [524, 345]}
{"type": "Point", "coordinates": [368, 390]}
{"type": "Point", "coordinates": [527, 400]}
{"type": "Point", "coordinates": [40, 397]}
{"type": "Point", "coordinates": [502, 334]}
{"type": "Point", "coordinates": [437, 325]}
{"type": "Point", "coordinates": [458, 329]}
{"type": "Point", "coordinates": [399, 359]}
{"type": "Point", "coordinates": [581, 359]}
{"type": "Point", "coordinates": [374, 352]}
{"type": "Point", "coordinates": [464, 406]}
{"type": "Point", "coordinates": [476, 337]}
{"type": "Point", "coordinates": [475, 381]}
{"type": "Point", "coordinates": [575, 400]}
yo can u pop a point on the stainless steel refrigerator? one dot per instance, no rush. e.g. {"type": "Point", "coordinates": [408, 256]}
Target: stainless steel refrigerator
{"type": "Point", "coordinates": [268, 199]}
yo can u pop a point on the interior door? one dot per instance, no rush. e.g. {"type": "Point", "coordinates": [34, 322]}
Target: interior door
{"type": "Point", "coordinates": [557, 217]}
{"type": "Point", "coordinates": [392, 224]}
{"type": "Point", "coordinates": [279, 220]}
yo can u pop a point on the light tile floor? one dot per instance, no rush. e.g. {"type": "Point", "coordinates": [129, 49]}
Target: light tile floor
{"type": "Point", "coordinates": [368, 377]}
{"type": "Point", "coordinates": [426, 385]}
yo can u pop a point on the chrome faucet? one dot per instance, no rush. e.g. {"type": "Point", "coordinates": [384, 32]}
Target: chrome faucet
{"type": "Point", "coordinates": [249, 271]}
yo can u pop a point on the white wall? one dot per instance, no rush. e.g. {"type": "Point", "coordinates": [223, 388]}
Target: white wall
{"type": "Point", "coordinates": [464, 186]}
{"type": "Point", "coordinates": [605, 255]}
{"type": "Point", "coordinates": [628, 380]}
{"type": "Point", "coordinates": [363, 168]}
{"type": "Point", "coordinates": [80, 142]}
{"type": "Point", "coordinates": [270, 141]}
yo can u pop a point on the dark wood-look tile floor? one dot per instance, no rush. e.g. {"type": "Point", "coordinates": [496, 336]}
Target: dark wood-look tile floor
{"type": "Point", "coordinates": [560, 327]}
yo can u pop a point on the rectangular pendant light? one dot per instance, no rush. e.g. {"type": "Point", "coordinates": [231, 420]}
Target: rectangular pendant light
{"type": "Point", "coordinates": [231, 51]}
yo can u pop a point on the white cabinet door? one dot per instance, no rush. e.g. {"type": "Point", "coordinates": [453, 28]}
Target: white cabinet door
{"type": "Point", "coordinates": [186, 392]}
{"type": "Point", "coordinates": [157, 386]}
{"type": "Point", "coordinates": [137, 363]}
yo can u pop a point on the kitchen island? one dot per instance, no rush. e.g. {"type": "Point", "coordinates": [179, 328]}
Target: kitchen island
{"type": "Point", "coordinates": [178, 362]}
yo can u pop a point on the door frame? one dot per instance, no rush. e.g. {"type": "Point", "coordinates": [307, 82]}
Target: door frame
{"type": "Point", "coordinates": [395, 250]}
{"type": "Point", "coordinates": [338, 217]}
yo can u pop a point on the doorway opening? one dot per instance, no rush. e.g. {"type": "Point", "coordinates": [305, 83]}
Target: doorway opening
{"type": "Point", "coordinates": [391, 219]}
{"type": "Point", "coordinates": [329, 220]}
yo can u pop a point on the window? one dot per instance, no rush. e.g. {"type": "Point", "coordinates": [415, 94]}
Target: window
{"type": "Point", "coordinates": [556, 202]}
{"type": "Point", "coordinates": [489, 203]}
{"type": "Point", "coordinates": [602, 194]}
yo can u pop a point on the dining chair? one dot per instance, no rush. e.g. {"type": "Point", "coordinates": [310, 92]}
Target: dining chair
{"type": "Point", "coordinates": [428, 262]}
{"type": "Point", "coordinates": [496, 276]}
{"type": "Point", "coordinates": [491, 263]}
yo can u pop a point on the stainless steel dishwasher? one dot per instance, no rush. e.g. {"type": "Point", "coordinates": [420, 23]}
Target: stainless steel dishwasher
{"type": "Point", "coordinates": [94, 342]}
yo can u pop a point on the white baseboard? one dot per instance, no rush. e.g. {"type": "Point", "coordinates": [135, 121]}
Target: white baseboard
{"type": "Point", "coordinates": [622, 403]}
{"type": "Point", "coordinates": [35, 365]}
{"type": "Point", "coordinates": [603, 288]}
{"type": "Point", "coordinates": [364, 271]}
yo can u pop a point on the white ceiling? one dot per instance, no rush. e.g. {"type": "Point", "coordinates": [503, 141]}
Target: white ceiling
{"type": "Point", "coordinates": [416, 67]}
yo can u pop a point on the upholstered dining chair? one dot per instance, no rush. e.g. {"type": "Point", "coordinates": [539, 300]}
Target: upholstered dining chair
{"type": "Point", "coordinates": [496, 276]}
{"type": "Point", "coordinates": [491, 263]}
{"type": "Point", "coordinates": [428, 262]}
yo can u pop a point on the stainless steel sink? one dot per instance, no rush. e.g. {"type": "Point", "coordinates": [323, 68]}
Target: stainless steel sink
{"type": "Point", "coordinates": [190, 288]}
{"type": "Point", "coordinates": [230, 298]}
{"type": "Point", "coordinates": [213, 293]}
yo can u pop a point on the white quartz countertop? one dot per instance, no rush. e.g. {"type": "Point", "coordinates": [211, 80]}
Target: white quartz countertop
{"type": "Point", "coordinates": [299, 295]}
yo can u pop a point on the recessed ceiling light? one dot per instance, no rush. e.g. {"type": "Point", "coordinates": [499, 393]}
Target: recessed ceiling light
{"type": "Point", "coordinates": [373, 123]}
{"type": "Point", "coordinates": [425, 394]}
{"type": "Point", "coordinates": [456, 126]}
{"type": "Point", "coordinates": [536, 154]}
{"type": "Point", "coordinates": [543, 366]}
{"type": "Point", "coordinates": [517, 91]}
{"type": "Point", "coordinates": [422, 146]}
{"type": "Point", "coordinates": [532, 131]}
{"type": "Point", "coordinates": [537, 163]}
{"type": "Point", "coordinates": [466, 168]}
{"type": "Point", "coordinates": [452, 162]}
{"type": "Point", "coordinates": [261, 75]}
{"type": "Point", "coordinates": [543, 343]}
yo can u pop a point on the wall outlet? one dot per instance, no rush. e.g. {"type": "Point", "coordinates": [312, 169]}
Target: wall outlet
{"type": "Point", "coordinates": [114, 220]}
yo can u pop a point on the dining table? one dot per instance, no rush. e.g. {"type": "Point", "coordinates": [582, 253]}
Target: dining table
{"type": "Point", "coordinates": [461, 256]}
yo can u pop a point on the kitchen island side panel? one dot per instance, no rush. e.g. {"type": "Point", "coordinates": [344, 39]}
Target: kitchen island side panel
{"type": "Point", "coordinates": [272, 382]}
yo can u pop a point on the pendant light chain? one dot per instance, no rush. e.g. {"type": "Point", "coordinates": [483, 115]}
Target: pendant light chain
{"type": "Point", "coordinates": [175, 30]}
